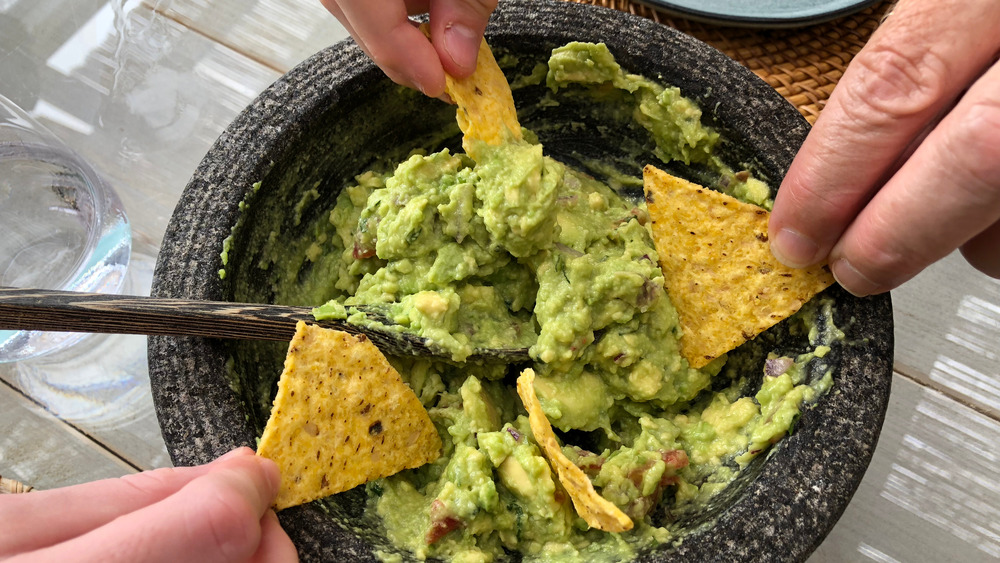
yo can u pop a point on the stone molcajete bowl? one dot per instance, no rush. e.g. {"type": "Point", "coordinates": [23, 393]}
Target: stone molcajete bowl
{"type": "Point", "coordinates": [336, 115]}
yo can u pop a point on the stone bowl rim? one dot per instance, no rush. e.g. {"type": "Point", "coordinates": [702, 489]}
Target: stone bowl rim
{"type": "Point", "coordinates": [782, 515]}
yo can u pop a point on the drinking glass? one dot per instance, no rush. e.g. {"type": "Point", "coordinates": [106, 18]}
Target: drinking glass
{"type": "Point", "coordinates": [61, 225]}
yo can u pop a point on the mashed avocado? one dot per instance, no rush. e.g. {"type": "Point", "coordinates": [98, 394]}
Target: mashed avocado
{"type": "Point", "coordinates": [520, 250]}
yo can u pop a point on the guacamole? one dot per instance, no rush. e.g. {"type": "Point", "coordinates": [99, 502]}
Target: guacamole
{"type": "Point", "coordinates": [519, 250]}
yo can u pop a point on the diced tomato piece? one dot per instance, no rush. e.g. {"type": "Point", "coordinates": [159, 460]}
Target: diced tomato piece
{"type": "Point", "coordinates": [668, 480]}
{"type": "Point", "coordinates": [361, 251]}
{"type": "Point", "coordinates": [589, 462]}
{"type": "Point", "coordinates": [442, 522]}
{"type": "Point", "coordinates": [441, 528]}
{"type": "Point", "coordinates": [635, 475]}
{"type": "Point", "coordinates": [675, 459]}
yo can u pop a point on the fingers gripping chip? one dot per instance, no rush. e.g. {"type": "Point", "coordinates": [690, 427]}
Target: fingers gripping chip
{"type": "Point", "coordinates": [718, 267]}
{"type": "Point", "coordinates": [485, 104]}
{"type": "Point", "coordinates": [342, 417]}
{"type": "Point", "coordinates": [595, 510]}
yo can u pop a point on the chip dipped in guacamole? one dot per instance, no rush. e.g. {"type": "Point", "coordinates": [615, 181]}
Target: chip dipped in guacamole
{"type": "Point", "coordinates": [516, 249]}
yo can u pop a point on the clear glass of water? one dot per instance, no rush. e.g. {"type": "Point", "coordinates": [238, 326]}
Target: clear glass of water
{"type": "Point", "coordinates": [61, 225]}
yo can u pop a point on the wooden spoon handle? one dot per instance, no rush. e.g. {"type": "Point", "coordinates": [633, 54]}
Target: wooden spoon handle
{"type": "Point", "coordinates": [66, 311]}
{"type": "Point", "coordinates": [69, 311]}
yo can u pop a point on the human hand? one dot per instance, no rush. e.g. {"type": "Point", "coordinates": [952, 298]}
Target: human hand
{"type": "Point", "coordinates": [385, 33]}
{"type": "Point", "coordinates": [215, 512]}
{"type": "Point", "coordinates": [903, 165]}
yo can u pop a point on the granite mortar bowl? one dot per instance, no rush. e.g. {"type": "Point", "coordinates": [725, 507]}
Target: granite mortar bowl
{"type": "Point", "coordinates": [336, 115]}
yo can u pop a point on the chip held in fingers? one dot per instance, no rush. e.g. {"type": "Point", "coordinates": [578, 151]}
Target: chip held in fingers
{"type": "Point", "coordinates": [596, 511]}
{"type": "Point", "coordinates": [342, 417]}
{"type": "Point", "coordinates": [717, 265]}
{"type": "Point", "coordinates": [486, 109]}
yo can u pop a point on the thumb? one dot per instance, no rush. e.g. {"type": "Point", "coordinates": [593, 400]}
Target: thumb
{"type": "Point", "coordinates": [214, 518]}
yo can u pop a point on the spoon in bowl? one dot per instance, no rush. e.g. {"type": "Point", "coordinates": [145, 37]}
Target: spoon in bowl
{"type": "Point", "coordinates": [69, 311]}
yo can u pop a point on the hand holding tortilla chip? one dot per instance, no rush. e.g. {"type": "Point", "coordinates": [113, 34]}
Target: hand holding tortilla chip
{"type": "Point", "coordinates": [718, 267]}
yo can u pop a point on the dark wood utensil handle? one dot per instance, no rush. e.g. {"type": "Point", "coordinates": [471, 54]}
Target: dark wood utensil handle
{"type": "Point", "coordinates": [66, 311]}
{"type": "Point", "coordinates": [69, 311]}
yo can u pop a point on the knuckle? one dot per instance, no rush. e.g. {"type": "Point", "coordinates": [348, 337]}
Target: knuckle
{"type": "Point", "coordinates": [818, 205]}
{"type": "Point", "coordinates": [972, 144]}
{"type": "Point", "coordinates": [383, 55]}
{"type": "Point", "coordinates": [895, 81]}
{"type": "Point", "coordinates": [158, 481]}
{"type": "Point", "coordinates": [882, 256]}
{"type": "Point", "coordinates": [872, 260]}
{"type": "Point", "coordinates": [813, 202]}
{"type": "Point", "coordinates": [389, 60]}
{"type": "Point", "coordinates": [232, 526]}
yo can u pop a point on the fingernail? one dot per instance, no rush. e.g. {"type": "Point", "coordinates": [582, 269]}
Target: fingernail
{"type": "Point", "coordinates": [794, 249]}
{"type": "Point", "coordinates": [852, 280]}
{"type": "Point", "coordinates": [419, 86]}
{"type": "Point", "coordinates": [462, 45]}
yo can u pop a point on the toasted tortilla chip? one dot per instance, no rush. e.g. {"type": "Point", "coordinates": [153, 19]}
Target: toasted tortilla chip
{"type": "Point", "coordinates": [718, 267]}
{"type": "Point", "coordinates": [485, 104]}
{"type": "Point", "coordinates": [595, 510]}
{"type": "Point", "coordinates": [342, 417]}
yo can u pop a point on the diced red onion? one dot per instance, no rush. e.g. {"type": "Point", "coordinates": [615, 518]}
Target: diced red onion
{"type": "Point", "coordinates": [515, 434]}
{"type": "Point", "coordinates": [774, 367]}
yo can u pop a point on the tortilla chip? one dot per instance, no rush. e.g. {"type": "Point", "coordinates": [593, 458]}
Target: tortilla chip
{"type": "Point", "coordinates": [485, 104]}
{"type": "Point", "coordinates": [342, 417]}
{"type": "Point", "coordinates": [718, 267]}
{"type": "Point", "coordinates": [597, 511]}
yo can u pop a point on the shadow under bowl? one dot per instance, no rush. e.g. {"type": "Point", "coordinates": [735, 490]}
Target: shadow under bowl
{"type": "Point", "coordinates": [336, 115]}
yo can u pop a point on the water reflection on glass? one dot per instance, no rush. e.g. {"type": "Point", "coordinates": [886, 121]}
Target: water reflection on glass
{"type": "Point", "coordinates": [63, 226]}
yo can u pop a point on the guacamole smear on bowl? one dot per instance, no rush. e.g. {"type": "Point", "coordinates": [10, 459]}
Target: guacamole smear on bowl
{"type": "Point", "coordinates": [516, 249]}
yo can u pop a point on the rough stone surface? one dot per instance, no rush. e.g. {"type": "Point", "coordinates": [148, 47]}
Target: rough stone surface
{"type": "Point", "coordinates": [780, 510]}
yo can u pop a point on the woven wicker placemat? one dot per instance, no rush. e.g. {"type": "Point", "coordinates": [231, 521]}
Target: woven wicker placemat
{"type": "Point", "coordinates": [10, 486]}
{"type": "Point", "coordinates": [802, 64]}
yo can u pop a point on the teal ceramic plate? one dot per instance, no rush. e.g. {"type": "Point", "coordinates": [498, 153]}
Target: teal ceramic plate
{"type": "Point", "coordinates": [761, 13]}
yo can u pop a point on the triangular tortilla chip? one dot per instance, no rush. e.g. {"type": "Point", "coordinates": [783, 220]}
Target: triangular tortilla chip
{"type": "Point", "coordinates": [485, 104]}
{"type": "Point", "coordinates": [596, 511]}
{"type": "Point", "coordinates": [718, 267]}
{"type": "Point", "coordinates": [342, 417]}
